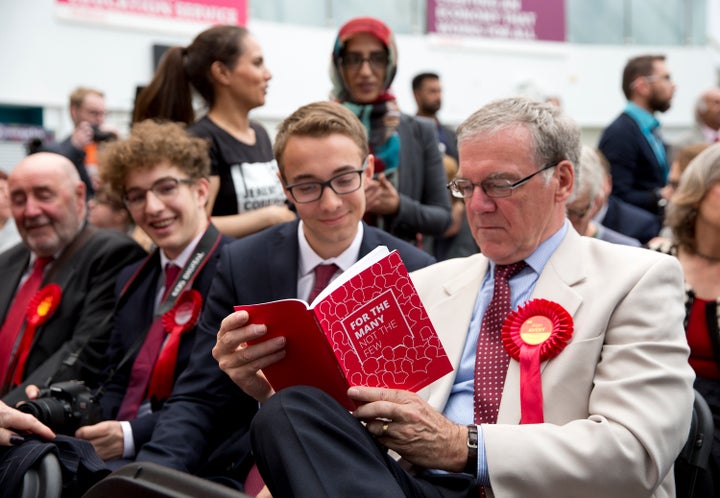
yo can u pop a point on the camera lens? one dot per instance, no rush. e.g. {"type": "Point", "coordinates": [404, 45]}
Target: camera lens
{"type": "Point", "coordinates": [49, 411]}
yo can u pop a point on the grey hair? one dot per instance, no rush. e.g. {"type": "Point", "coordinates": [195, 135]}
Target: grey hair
{"type": "Point", "coordinates": [555, 136]}
{"type": "Point", "coordinates": [589, 175]}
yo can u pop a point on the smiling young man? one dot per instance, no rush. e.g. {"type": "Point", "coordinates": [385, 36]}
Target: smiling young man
{"type": "Point", "coordinates": [162, 175]}
{"type": "Point", "coordinates": [322, 153]}
{"type": "Point", "coordinates": [47, 201]}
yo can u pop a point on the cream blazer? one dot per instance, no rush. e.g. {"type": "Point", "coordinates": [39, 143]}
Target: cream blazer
{"type": "Point", "coordinates": [617, 400]}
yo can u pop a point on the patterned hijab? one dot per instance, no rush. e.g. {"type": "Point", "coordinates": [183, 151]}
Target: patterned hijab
{"type": "Point", "coordinates": [381, 117]}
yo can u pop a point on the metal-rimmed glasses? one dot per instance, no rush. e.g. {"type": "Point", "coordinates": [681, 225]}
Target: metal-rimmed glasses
{"type": "Point", "coordinates": [164, 189]}
{"type": "Point", "coordinates": [353, 61]}
{"type": "Point", "coordinates": [343, 183]}
{"type": "Point", "coordinates": [461, 188]}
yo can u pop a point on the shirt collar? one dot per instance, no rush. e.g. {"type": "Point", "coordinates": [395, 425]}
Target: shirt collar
{"type": "Point", "coordinates": [643, 118]}
{"type": "Point", "coordinates": [541, 255]}
{"type": "Point", "coordinates": [184, 255]}
{"type": "Point", "coordinates": [309, 259]}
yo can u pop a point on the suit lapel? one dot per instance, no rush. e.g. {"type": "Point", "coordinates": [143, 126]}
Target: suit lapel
{"type": "Point", "coordinates": [554, 284]}
{"type": "Point", "coordinates": [17, 258]}
{"type": "Point", "coordinates": [283, 268]}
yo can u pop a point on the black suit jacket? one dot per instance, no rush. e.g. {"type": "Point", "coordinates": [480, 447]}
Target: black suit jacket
{"type": "Point", "coordinates": [636, 172]}
{"type": "Point", "coordinates": [72, 343]}
{"type": "Point", "coordinates": [132, 320]}
{"type": "Point", "coordinates": [206, 406]}
{"type": "Point", "coordinates": [630, 220]}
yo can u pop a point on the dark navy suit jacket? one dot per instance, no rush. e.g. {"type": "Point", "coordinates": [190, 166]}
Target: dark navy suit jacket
{"type": "Point", "coordinates": [206, 406]}
{"type": "Point", "coordinates": [630, 220]}
{"type": "Point", "coordinates": [132, 320]}
{"type": "Point", "coordinates": [636, 172]}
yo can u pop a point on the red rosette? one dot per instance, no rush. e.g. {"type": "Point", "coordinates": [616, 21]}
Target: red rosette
{"type": "Point", "coordinates": [41, 307]}
{"type": "Point", "coordinates": [185, 312]}
{"type": "Point", "coordinates": [178, 320]}
{"type": "Point", "coordinates": [536, 332]}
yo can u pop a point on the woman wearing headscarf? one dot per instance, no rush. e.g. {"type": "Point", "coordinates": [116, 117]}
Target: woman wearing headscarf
{"type": "Point", "coordinates": [408, 196]}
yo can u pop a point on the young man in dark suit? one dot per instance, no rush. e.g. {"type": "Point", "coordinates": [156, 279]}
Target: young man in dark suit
{"type": "Point", "coordinates": [162, 175]}
{"type": "Point", "coordinates": [71, 326]}
{"type": "Point", "coordinates": [322, 154]}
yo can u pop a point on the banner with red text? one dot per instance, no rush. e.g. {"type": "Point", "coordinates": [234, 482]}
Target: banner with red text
{"type": "Point", "coordinates": [155, 14]}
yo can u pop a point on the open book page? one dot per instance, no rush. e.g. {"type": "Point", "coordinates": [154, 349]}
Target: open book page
{"type": "Point", "coordinates": [366, 261]}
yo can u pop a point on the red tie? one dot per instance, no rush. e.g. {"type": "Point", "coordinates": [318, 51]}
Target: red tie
{"type": "Point", "coordinates": [323, 274]}
{"type": "Point", "coordinates": [145, 360]}
{"type": "Point", "coordinates": [492, 360]}
{"type": "Point", "coordinates": [17, 313]}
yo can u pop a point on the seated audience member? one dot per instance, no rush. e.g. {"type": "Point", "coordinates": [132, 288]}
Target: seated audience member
{"type": "Point", "coordinates": [9, 235]}
{"type": "Point", "coordinates": [618, 215]}
{"type": "Point", "coordinates": [625, 363]}
{"type": "Point", "coordinates": [681, 158]}
{"type": "Point", "coordinates": [106, 209]}
{"type": "Point", "coordinates": [406, 197]}
{"type": "Point", "coordinates": [693, 216]}
{"type": "Point", "coordinates": [587, 197]}
{"type": "Point", "coordinates": [56, 296]}
{"type": "Point", "coordinates": [87, 111]}
{"type": "Point", "coordinates": [322, 154]}
{"type": "Point", "coordinates": [707, 120]}
{"type": "Point", "coordinates": [162, 175]}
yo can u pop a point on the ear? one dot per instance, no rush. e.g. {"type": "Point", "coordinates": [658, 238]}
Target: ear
{"type": "Point", "coordinates": [565, 175]}
{"type": "Point", "coordinates": [220, 73]}
{"type": "Point", "coordinates": [202, 187]}
{"type": "Point", "coordinates": [369, 167]}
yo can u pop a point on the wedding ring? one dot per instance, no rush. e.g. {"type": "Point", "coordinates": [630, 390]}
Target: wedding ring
{"type": "Point", "coordinates": [385, 428]}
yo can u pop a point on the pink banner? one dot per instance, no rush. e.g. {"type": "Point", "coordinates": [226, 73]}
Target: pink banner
{"type": "Point", "coordinates": [197, 11]}
{"type": "Point", "coordinates": [508, 19]}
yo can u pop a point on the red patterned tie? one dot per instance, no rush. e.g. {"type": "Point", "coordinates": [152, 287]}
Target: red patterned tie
{"type": "Point", "coordinates": [323, 274]}
{"type": "Point", "coordinates": [145, 360]}
{"type": "Point", "coordinates": [15, 318]}
{"type": "Point", "coordinates": [492, 360]}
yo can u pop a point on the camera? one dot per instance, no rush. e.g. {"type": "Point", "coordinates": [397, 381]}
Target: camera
{"type": "Point", "coordinates": [102, 136]}
{"type": "Point", "coordinates": [64, 407]}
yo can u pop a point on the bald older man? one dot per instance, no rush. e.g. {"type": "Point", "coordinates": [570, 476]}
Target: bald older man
{"type": "Point", "coordinates": [57, 286]}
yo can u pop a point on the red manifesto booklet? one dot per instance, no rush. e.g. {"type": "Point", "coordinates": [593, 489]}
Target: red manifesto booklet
{"type": "Point", "coordinates": [367, 328]}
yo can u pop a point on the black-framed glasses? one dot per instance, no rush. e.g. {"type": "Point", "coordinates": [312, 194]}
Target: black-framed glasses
{"type": "Point", "coordinates": [353, 62]}
{"type": "Point", "coordinates": [344, 183]}
{"type": "Point", "coordinates": [164, 189]}
{"type": "Point", "coordinates": [461, 188]}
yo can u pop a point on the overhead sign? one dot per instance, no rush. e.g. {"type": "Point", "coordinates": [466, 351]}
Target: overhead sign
{"type": "Point", "coordinates": [154, 14]}
{"type": "Point", "coordinates": [505, 19]}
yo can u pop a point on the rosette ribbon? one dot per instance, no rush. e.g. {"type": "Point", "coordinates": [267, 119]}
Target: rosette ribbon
{"type": "Point", "coordinates": [536, 332]}
{"type": "Point", "coordinates": [41, 307]}
{"type": "Point", "coordinates": [179, 319]}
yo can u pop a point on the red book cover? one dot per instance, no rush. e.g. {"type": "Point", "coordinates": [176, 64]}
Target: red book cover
{"type": "Point", "coordinates": [368, 328]}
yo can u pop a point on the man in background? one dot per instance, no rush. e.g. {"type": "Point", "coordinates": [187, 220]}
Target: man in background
{"type": "Point", "coordinates": [632, 143]}
{"type": "Point", "coordinates": [9, 235]}
{"type": "Point", "coordinates": [87, 111]}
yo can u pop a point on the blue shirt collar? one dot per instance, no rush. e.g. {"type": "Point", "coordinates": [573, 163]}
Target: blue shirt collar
{"type": "Point", "coordinates": [644, 119]}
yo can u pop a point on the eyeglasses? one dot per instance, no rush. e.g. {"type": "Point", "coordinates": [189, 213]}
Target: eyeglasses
{"type": "Point", "coordinates": [353, 62]}
{"type": "Point", "coordinates": [344, 183]}
{"type": "Point", "coordinates": [164, 189]}
{"type": "Point", "coordinates": [578, 213]}
{"type": "Point", "coordinates": [492, 187]}
{"type": "Point", "coordinates": [656, 77]}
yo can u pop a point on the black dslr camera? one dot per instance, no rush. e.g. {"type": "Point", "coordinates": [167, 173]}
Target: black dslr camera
{"type": "Point", "coordinates": [64, 407]}
{"type": "Point", "coordinates": [102, 136]}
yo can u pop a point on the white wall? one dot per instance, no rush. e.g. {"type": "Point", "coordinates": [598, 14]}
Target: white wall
{"type": "Point", "coordinates": [42, 58]}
